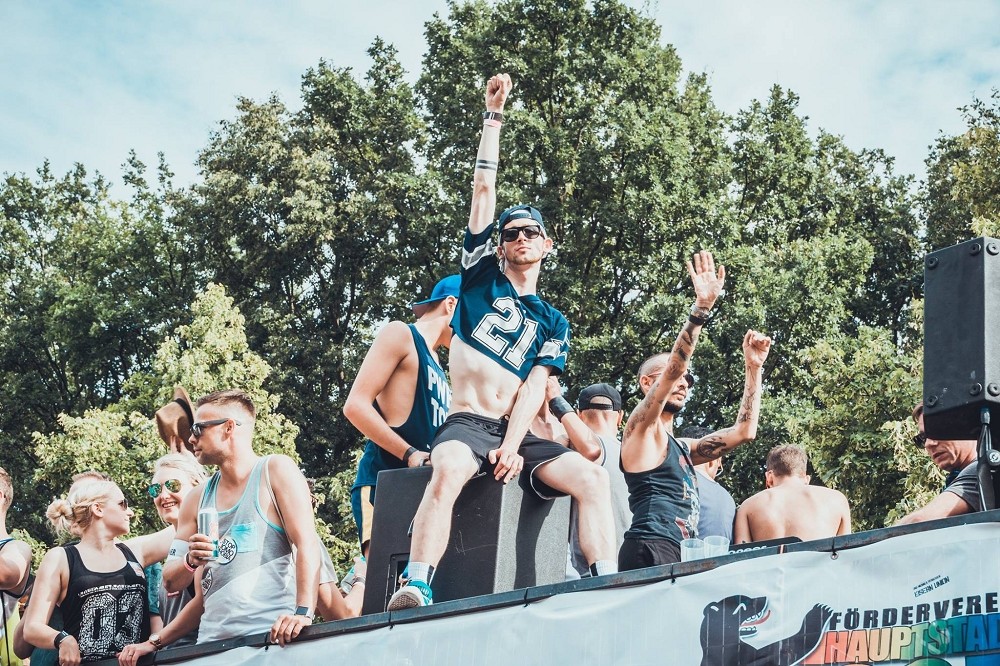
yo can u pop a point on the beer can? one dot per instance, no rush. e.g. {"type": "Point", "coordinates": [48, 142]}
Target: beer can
{"type": "Point", "coordinates": [208, 524]}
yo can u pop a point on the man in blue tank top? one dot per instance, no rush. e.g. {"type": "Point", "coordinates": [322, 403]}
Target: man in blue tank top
{"type": "Point", "coordinates": [400, 397]}
{"type": "Point", "coordinates": [507, 343]}
{"type": "Point", "coordinates": [659, 469]}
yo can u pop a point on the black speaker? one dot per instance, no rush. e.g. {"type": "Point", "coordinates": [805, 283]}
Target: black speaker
{"type": "Point", "coordinates": [961, 338]}
{"type": "Point", "coordinates": [502, 539]}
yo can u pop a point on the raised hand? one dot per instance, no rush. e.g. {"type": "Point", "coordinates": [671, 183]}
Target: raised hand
{"type": "Point", "coordinates": [707, 281]}
{"type": "Point", "coordinates": [497, 89]}
{"type": "Point", "coordinates": [755, 348]}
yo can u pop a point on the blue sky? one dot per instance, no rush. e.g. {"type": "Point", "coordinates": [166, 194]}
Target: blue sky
{"type": "Point", "coordinates": [88, 81]}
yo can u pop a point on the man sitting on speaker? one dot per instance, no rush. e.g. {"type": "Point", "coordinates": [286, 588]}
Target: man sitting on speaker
{"type": "Point", "coordinates": [958, 459]}
{"type": "Point", "coordinates": [507, 342]}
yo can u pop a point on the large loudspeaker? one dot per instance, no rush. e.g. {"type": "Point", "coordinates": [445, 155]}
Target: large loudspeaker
{"type": "Point", "coordinates": [961, 338]}
{"type": "Point", "coordinates": [501, 539]}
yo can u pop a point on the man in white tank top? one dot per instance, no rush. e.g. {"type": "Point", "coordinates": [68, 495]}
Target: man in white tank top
{"type": "Point", "coordinates": [265, 511]}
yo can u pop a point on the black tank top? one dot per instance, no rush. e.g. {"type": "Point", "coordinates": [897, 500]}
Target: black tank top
{"type": "Point", "coordinates": [105, 611]}
{"type": "Point", "coordinates": [664, 500]}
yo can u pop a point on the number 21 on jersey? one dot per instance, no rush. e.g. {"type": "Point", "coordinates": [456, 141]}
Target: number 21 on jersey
{"type": "Point", "coordinates": [508, 320]}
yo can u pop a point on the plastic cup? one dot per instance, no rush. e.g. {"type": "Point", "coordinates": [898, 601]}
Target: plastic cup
{"type": "Point", "coordinates": [692, 549]}
{"type": "Point", "coordinates": [716, 546]}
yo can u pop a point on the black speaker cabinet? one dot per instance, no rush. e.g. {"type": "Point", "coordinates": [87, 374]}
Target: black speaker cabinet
{"type": "Point", "coordinates": [501, 539]}
{"type": "Point", "coordinates": [961, 338]}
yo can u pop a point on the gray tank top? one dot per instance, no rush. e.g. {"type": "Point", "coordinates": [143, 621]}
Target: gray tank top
{"type": "Point", "coordinates": [619, 505]}
{"type": "Point", "coordinates": [253, 581]}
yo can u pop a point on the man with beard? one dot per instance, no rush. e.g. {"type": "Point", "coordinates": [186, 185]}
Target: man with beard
{"type": "Point", "coordinates": [659, 469]}
{"type": "Point", "coordinates": [507, 343]}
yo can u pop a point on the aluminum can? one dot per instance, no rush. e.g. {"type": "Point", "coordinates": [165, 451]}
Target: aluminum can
{"type": "Point", "coordinates": [208, 524]}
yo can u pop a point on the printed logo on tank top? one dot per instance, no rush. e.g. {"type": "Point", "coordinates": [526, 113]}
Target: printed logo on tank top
{"type": "Point", "coordinates": [227, 549]}
{"type": "Point", "coordinates": [110, 618]}
{"type": "Point", "coordinates": [689, 525]}
{"type": "Point", "coordinates": [440, 396]}
{"type": "Point", "coordinates": [206, 580]}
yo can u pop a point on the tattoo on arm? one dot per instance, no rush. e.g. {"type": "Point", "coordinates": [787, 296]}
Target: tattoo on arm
{"type": "Point", "coordinates": [710, 449]}
{"type": "Point", "coordinates": [746, 408]}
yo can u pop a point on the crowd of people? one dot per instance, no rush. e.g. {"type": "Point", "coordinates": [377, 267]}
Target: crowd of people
{"type": "Point", "coordinates": [636, 492]}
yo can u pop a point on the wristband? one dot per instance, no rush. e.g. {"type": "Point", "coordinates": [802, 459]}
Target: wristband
{"type": "Point", "coordinates": [187, 565]}
{"type": "Point", "coordinates": [699, 315]}
{"type": "Point", "coordinates": [60, 637]}
{"type": "Point", "coordinates": [406, 456]}
{"type": "Point", "coordinates": [560, 407]}
{"type": "Point", "coordinates": [359, 580]}
{"type": "Point", "coordinates": [303, 611]}
{"type": "Point", "coordinates": [493, 115]}
{"type": "Point", "coordinates": [493, 123]}
{"type": "Point", "coordinates": [178, 549]}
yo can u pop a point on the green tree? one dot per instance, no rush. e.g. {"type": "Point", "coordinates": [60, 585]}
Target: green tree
{"type": "Point", "coordinates": [962, 194]}
{"type": "Point", "coordinates": [90, 283]}
{"type": "Point", "coordinates": [320, 224]}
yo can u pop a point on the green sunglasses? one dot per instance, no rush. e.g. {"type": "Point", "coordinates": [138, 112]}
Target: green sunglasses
{"type": "Point", "coordinates": [173, 485]}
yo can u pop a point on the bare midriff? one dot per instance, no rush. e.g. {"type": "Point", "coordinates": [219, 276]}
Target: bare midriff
{"type": "Point", "coordinates": [479, 384]}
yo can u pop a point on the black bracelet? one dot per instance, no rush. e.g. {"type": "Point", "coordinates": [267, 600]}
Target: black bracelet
{"type": "Point", "coordinates": [560, 407]}
{"type": "Point", "coordinates": [697, 321]}
{"type": "Point", "coordinates": [493, 115]}
{"type": "Point", "coordinates": [406, 456]}
{"type": "Point", "coordinates": [60, 637]}
{"type": "Point", "coordinates": [699, 316]}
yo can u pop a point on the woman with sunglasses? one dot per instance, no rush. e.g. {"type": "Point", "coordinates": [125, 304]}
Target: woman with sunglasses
{"type": "Point", "coordinates": [174, 476]}
{"type": "Point", "coordinates": [97, 583]}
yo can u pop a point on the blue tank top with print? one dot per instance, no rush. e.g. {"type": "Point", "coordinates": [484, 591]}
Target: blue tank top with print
{"type": "Point", "coordinates": [431, 401]}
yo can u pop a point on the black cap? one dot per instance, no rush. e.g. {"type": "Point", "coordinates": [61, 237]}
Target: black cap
{"type": "Point", "coordinates": [587, 395]}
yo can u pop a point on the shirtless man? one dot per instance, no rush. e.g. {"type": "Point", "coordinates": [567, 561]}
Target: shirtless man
{"type": "Point", "coordinates": [400, 397]}
{"type": "Point", "coordinates": [659, 469]}
{"type": "Point", "coordinates": [790, 506]}
{"type": "Point", "coordinates": [507, 342]}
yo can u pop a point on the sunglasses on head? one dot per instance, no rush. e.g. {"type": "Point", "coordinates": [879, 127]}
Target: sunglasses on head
{"type": "Point", "coordinates": [173, 485]}
{"type": "Point", "coordinates": [530, 231]}
{"type": "Point", "coordinates": [920, 439]}
{"type": "Point", "coordinates": [198, 428]}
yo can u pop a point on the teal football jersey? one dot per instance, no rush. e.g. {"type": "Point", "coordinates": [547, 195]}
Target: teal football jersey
{"type": "Point", "coordinates": [517, 332]}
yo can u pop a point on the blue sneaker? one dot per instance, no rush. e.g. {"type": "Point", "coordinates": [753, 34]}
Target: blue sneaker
{"type": "Point", "coordinates": [413, 594]}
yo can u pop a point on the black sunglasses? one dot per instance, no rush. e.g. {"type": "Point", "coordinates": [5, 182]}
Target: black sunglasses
{"type": "Point", "coordinates": [173, 485]}
{"type": "Point", "coordinates": [198, 428]}
{"type": "Point", "coordinates": [530, 231]}
{"type": "Point", "coordinates": [920, 439]}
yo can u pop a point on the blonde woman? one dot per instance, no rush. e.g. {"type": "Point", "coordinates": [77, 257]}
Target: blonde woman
{"type": "Point", "coordinates": [98, 583]}
{"type": "Point", "coordinates": [174, 476]}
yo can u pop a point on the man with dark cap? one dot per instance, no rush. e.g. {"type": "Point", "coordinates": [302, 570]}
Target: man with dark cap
{"type": "Point", "coordinates": [507, 342]}
{"type": "Point", "coordinates": [958, 460]}
{"type": "Point", "coordinates": [592, 430]}
{"type": "Point", "coordinates": [400, 397]}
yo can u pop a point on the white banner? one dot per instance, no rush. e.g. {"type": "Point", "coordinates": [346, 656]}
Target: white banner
{"type": "Point", "coordinates": [926, 599]}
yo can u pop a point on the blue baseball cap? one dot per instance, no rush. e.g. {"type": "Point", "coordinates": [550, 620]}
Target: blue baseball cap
{"type": "Point", "coordinates": [520, 212]}
{"type": "Point", "coordinates": [445, 287]}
